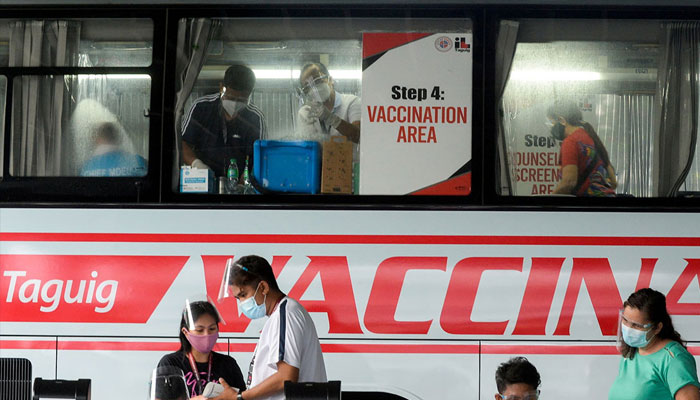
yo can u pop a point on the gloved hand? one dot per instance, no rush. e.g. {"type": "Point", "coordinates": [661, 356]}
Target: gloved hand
{"type": "Point", "coordinates": [308, 115]}
{"type": "Point", "coordinates": [329, 118]}
{"type": "Point", "coordinates": [199, 164]}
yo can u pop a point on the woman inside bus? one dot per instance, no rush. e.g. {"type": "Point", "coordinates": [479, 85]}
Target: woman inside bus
{"type": "Point", "coordinates": [585, 166]}
{"type": "Point", "coordinates": [655, 364]}
{"type": "Point", "coordinates": [199, 331]}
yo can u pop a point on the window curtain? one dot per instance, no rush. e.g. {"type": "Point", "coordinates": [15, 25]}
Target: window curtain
{"type": "Point", "coordinates": [193, 38]}
{"type": "Point", "coordinates": [677, 105]}
{"type": "Point", "coordinates": [40, 103]}
{"type": "Point", "coordinates": [505, 50]}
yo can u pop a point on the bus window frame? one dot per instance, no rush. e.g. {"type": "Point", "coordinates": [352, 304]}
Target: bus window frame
{"type": "Point", "coordinates": [494, 16]}
{"type": "Point", "coordinates": [325, 200]}
{"type": "Point", "coordinates": [23, 189]}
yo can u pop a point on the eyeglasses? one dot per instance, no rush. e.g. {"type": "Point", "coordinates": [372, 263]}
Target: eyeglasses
{"type": "Point", "coordinates": [635, 325]}
{"type": "Point", "coordinates": [311, 82]}
{"type": "Point", "coordinates": [528, 396]}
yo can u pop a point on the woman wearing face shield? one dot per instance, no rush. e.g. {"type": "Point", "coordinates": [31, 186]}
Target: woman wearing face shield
{"type": "Point", "coordinates": [585, 166]}
{"type": "Point", "coordinates": [288, 348]}
{"type": "Point", "coordinates": [655, 363]}
{"type": "Point", "coordinates": [199, 331]}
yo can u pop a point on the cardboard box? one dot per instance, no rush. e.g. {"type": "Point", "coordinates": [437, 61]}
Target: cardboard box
{"type": "Point", "coordinates": [288, 166]}
{"type": "Point", "coordinates": [336, 170]}
{"type": "Point", "coordinates": [194, 180]}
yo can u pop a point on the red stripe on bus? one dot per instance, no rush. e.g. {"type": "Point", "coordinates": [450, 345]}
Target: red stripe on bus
{"type": "Point", "coordinates": [363, 348]}
{"type": "Point", "coordinates": [351, 239]}
{"type": "Point", "coordinates": [27, 345]}
{"type": "Point", "coordinates": [400, 348]}
{"type": "Point", "coordinates": [549, 349]}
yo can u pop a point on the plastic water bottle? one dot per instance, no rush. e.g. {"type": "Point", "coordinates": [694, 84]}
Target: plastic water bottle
{"type": "Point", "coordinates": [246, 173]}
{"type": "Point", "coordinates": [232, 175]}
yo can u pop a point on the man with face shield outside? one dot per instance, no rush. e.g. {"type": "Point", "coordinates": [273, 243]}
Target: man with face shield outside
{"type": "Point", "coordinates": [288, 348]}
{"type": "Point", "coordinates": [325, 110]}
{"type": "Point", "coordinates": [223, 125]}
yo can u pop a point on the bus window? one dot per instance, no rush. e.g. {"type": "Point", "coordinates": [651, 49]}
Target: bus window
{"type": "Point", "coordinates": [310, 87]}
{"type": "Point", "coordinates": [580, 108]}
{"type": "Point", "coordinates": [76, 42]}
{"type": "Point", "coordinates": [80, 125]}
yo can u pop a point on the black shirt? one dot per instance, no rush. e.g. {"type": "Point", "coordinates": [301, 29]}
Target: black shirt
{"type": "Point", "coordinates": [215, 140]}
{"type": "Point", "coordinates": [222, 366]}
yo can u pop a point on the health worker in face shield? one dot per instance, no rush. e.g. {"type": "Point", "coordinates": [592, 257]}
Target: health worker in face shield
{"type": "Point", "coordinates": [585, 166]}
{"type": "Point", "coordinates": [288, 348]}
{"type": "Point", "coordinates": [655, 363]}
{"type": "Point", "coordinates": [325, 110]}
{"type": "Point", "coordinates": [223, 125]}
{"type": "Point", "coordinates": [199, 331]}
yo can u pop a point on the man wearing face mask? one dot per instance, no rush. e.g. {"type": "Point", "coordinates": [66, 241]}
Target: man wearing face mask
{"type": "Point", "coordinates": [325, 110]}
{"type": "Point", "coordinates": [223, 125]}
{"type": "Point", "coordinates": [288, 348]}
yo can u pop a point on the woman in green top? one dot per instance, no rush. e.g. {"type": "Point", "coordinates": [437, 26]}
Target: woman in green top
{"type": "Point", "coordinates": [655, 364]}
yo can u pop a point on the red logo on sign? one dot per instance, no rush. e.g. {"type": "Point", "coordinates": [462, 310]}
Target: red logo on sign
{"type": "Point", "coordinates": [78, 288]}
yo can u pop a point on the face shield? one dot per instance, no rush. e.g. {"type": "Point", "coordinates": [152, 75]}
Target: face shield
{"type": "Point", "coordinates": [168, 383]}
{"type": "Point", "coordinates": [197, 305]}
{"type": "Point", "coordinates": [234, 272]}
{"type": "Point", "coordinates": [634, 334]}
{"type": "Point", "coordinates": [315, 90]}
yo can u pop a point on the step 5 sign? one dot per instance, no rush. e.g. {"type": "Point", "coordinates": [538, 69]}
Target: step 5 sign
{"type": "Point", "coordinates": [416, 119]}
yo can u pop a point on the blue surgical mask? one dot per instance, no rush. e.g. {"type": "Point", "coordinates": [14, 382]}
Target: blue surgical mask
{"type": "Point", "coordinates": [251, 309]}
{"type": "Point", "coordinates": [635, 337]}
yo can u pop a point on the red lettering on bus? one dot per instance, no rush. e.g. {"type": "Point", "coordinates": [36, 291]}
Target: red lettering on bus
{"type": "Point", "coordinates": [603, 292]}
{"type": "Point", "coordinates": [461, 293]}
{"type": "Point", "coordinates": [386, 290]}
{"type": "Point", "coordinates": [538, 297]}
{"type": "Point", "coordinates": [339, 299]}
{"type": "Point", "coordinates": [691, 271]}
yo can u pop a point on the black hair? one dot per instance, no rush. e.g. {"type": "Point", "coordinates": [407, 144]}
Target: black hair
{"type": "Point", "coordinates": [109, 132]}
{"type": "Point", "coordinates": [572, 114]}
{"type": "Point", "coordinates": [239, 77]}
{"type": "Point", "coordinates": [253, 270]}
{"type": "Point", "coordinates": [517, 370]}
{"type": "Point", "coordinates": [320, 66]}
{"type": "Point", "coordinates": [198, 308]}
{"type": "Point", "coordinates": [652, 304]}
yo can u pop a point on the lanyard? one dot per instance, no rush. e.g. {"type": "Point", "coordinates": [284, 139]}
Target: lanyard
{"type": "Point", "coordinates": [196, 372]}
{"type": "Point", "coordinates": [252, 361]}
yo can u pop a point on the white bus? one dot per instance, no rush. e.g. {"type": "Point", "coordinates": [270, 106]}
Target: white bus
{"type": "Point", "coordinates": [447, 253]}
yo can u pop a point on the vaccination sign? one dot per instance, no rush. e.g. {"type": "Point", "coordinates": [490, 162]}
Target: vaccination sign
{"type": "Point", "coordinates": [416, 122]}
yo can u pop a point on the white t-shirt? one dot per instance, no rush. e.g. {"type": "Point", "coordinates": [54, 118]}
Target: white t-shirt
{"type": "Point", "coordinates": [290, 336]}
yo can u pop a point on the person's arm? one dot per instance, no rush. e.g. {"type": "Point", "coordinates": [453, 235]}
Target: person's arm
{"type": "Point", "coordinates": [569, 177]}
{"type": "Point", "coordinates": [273, 384]}
{"type": "Point", "coordinates": [350, 130]}
{"type": "Point", "coordinates": [188, 155]}
{"type": "Point", "coordinates": [688, 392]}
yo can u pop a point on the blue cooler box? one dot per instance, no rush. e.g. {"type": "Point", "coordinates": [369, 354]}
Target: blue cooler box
{"type": "Point", "coordinates": [293, 167]}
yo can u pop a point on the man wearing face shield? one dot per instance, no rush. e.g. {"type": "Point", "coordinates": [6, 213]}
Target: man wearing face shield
{"type": "Point", "coordinates": [223, 125]}
{"type": "Point", "coordinates": [325, 110]}
{"type": "Point", "coordinates": [288, 348]}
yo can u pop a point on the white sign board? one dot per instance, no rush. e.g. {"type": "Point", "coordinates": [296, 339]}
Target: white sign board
{"type": "Point", "coordinates": [416, 119]}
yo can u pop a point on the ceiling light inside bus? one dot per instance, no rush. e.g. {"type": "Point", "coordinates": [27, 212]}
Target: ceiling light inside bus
{"type": "Point", "coordinates": [554, 75]}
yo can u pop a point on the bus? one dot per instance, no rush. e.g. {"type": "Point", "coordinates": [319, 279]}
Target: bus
{"type": "Point", "coordinates": [429, 251]}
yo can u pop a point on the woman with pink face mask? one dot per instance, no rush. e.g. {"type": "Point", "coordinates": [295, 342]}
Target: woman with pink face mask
{"type": "Point", "coordinates": [199, 331]}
